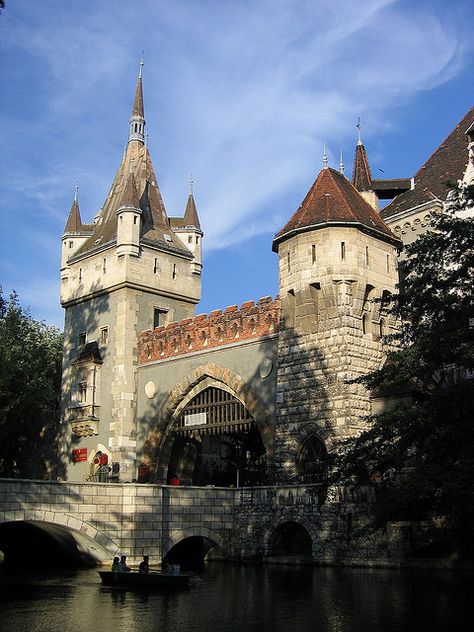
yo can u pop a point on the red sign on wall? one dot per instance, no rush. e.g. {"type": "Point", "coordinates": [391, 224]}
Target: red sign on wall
{"type": "Point", "coordinates": [79, 454]}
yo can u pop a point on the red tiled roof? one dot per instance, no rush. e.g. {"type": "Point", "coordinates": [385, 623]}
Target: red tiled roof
{"type": "Point", "coordinates": [446, 164]}
{"type": "Point", "coordinates": [332, 199]}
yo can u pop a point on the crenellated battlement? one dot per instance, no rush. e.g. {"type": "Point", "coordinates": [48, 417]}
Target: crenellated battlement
{"type": "Point", "coordinates": [219, 328]}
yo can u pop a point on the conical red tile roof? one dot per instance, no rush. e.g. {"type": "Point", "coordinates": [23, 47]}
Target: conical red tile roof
{"type": "Point", "coordinates": [333, 200]}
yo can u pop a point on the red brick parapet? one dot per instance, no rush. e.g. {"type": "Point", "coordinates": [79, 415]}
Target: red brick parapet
{"type": "Point", "coordinates": [217, 329]}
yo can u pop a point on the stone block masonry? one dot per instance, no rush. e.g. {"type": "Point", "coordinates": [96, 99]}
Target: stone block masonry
{"type": "Point", "coordinates": [219, 328]}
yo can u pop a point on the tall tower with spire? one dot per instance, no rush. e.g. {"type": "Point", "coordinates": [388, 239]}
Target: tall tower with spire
{"type": "Point", "coordinates": [132, 269]}
{"type": "Point", "coordinates": [336, 258]}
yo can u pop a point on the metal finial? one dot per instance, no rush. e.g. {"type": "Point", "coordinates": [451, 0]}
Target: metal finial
{"type": "Point", "coordinates": [325, 157]}
{"type": "Point", "coordinates": [76, 190]}
{"type": "Point", "coordinates": [146, 140]}
{"type": "Point", "coordinates": [359, 139]}
{"type": "Point", "coordinates": [191, 184]}
{"type": "Point", "coordinates": [341, 163]}
{"type": "Point", "coordinates": [142, 62]}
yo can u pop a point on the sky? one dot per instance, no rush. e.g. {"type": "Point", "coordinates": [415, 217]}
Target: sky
{"type": "Point", "coordinates": [240, 95]}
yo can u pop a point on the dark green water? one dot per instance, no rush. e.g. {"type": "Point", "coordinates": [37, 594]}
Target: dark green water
{"type": "Point", "coordinates": [245, 599]}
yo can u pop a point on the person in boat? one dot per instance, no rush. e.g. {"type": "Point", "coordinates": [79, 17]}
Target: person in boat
{"type": "Point", "coordinates": [123, 568]}
{"type": "Point", "coordinates": [115, 565]}
{"type": "Point", "coordinates": [144, 566]}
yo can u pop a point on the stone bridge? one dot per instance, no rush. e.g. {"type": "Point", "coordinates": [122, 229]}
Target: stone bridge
{"type": "Point", "coordinates": [100, 520]}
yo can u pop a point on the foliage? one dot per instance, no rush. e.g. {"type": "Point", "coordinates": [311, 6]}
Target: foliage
{"type": "Point", "coordinates": [420, 453]}
{"type": "Point", "coordinates": [30, 376]}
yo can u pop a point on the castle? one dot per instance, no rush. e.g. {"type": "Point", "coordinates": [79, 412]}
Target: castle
{"type": "Point", "coordinates": [247, 395]}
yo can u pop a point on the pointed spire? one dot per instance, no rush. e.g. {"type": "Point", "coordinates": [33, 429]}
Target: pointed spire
{"type": "Point", "coordinates": [137, 119]}
{"type": "Point", "coordinates": [361, 176]}
{"type": "Point", "coordinates": [325, 157]}
{"type": "Point", "coordinates": [74, 221]}
{"type": "Point", "coordinates": [341, 163]}
{"type": "Point", "coordinates": [191, 217]}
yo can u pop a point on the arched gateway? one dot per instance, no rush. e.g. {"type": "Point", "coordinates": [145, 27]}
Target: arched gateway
{"type": "Point", "coordinates": [212, 431]}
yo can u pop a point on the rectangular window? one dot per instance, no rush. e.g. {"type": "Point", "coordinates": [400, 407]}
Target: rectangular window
{"type": "Point", "coordinates": [288, 261]}
{"type": "Point", "coordinates": [313, 254]}
{"type": "Point", "coordinates": [343, 250]}
{"type": "Point", "coordinates": [197, 240]}
{"type": "Point", "coordinates": [82, 339]}
{"type": "Point", "coordinates": [71, 244]}
{"type": "Point", "coordinates": [104, 266]}
{"type": "Point", "coordinates": [80, 274]}
{"type": "Point", "coordinates": [82, 392]}
{"type": "Point", "coordinates": [104, 336]}
{"type": "Point", "coordinates": [190, 239]}
{"type": "Point", "coordinates": [367, 256]}
{"type": "Point", "coordinates": [159, 317]}
{"type": "Point", "coordinates": [155, 266]}
{"type": "Point", "coordinates": [388, 263]}
{"type": "Point", "coordinates": [175, 272]}
{"type": "Point", "coordinates": [135, 219]}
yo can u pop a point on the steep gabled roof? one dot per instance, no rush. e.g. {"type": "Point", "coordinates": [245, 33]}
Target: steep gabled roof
{"type": "Point", "coordinates": [333, 200]}
{"type": "Point", "coordinates": [446, 164]}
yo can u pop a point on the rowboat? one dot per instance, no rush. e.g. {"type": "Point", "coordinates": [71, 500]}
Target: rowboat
{"type": "Point", "coordinates": [150, 581]}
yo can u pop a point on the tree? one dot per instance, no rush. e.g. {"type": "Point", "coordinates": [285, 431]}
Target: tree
{"type": "Point", "coordinates": [420, 453]}
{"type": "Point", "coordinates": [30, 377]}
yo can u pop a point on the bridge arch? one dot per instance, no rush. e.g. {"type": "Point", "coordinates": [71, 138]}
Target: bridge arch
{"type": "Point", "coordinates": [78, 539]}
{"type": "Point", "coordinates": [160, 439]}
{"type": "Point", "coordinates": [189, 546]}
{"type": "Point", "coordinates": [292, 536]}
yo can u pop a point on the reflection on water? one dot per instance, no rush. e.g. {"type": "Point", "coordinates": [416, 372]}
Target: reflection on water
{"type": "Point", "coordinates": [244, 598]}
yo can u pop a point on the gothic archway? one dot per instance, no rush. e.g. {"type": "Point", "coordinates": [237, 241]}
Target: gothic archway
{"type": "Point", "coordinates": [216, 442]}
{"type": "Point", "coordinates": [213, 413]}
{"type": "Point", "coordinates": [311, 463]}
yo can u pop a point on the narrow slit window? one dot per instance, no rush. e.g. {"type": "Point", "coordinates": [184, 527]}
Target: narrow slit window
{"type": "Point", "coordinates": [313, 253]}
{"type": "Point", "coordinates": [388, 263]}
{"type": "Point", "coordinates": [104, 266]}
{"type": "Point", "coordinates": [343, 250]}
{"type": "Point", "coordinates": [288, 261]}
{"type": "Point", "coordinates": [175, 271]}
{"type": "Point", "coordinates": [104, 336]}
{"type": "Point", "coordinates": [155, 266]}
{"type": "Point", "coordinates": [367, 256]}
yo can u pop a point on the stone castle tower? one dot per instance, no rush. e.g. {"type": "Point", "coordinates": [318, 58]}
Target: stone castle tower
{"type": "Point", "coordinates": [336, 258]}
{"type": "Point", "coordinates": [133, 269]}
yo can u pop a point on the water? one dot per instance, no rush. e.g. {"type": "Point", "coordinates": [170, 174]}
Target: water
{"type": "Point", "coordinates": [244, 598]}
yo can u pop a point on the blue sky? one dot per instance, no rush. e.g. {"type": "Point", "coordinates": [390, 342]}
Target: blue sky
{"type": "Point", "coordinates": [240, 94]}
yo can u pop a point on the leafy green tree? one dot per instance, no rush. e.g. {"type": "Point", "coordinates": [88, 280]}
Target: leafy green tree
{"type": "Point", "coordinates": [30, 377]}
{"type": "Point", "coordinates": [420, 454]}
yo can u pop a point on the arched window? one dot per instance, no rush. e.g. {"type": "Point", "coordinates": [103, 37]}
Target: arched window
{"type": "Point", "coordinates": [311, 463]}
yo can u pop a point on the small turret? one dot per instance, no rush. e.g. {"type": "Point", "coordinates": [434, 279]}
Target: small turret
{"type": "Point", "coordinates": [188, 229]}
{"type": "Point", "coordinates": [128, 220]}
{"type": "Point", "coordinates": [75, 234]}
